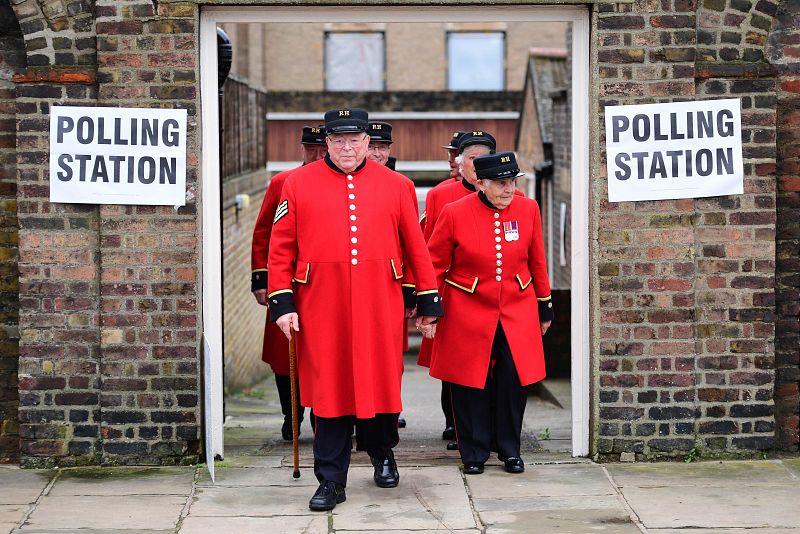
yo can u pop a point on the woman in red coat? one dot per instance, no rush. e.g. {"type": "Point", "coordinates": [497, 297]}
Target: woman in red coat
{"type": "Point", "coordinates": [488, 255]}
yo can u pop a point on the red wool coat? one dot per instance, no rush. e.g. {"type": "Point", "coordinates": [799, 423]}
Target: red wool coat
{"type": "Point", "coordinates": [343, 238]}
{"type": "Point", "coordinates": [436, 200]}
{"type": "Point", "coordinates": [275, 348]}
{"type": "Point", "coordinates": [486, 275]}
{"type": "Point", "coordinates": [423, 222]}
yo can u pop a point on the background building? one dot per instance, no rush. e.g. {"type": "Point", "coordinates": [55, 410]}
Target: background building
{"type": "Point", "coordinates": [427, 80]}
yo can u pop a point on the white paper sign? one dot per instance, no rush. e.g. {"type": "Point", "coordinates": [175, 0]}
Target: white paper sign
{"type": "Point", "coordinates": [674, 150]}
{"type": "Point", "coordinates": [118, 155]}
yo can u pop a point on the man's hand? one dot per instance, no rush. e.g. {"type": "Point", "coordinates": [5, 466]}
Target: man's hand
{"type": "Point", "coordinates": [286, 322]}
{"type": "Point", "coordinates": [261, 296]}
{"type": "Point", "coordinates": [545, 325]}
{"type": "Point", "coordinates": [426, 325]}
{"type": "Point", "coordinates": [410, 313]}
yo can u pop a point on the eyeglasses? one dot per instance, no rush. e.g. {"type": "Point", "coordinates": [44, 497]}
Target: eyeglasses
{"type": "Point", "coordinates": [340, 142]}
{"type": "Point", "coordinates": [383, 147]}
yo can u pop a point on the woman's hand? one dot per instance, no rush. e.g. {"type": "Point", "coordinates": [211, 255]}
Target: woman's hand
{"type": "Point", "coordinates": [545, 325]}
{"type": "Point", "coordinates": [426, 326]}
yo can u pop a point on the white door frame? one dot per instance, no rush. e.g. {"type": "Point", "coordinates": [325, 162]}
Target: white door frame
{"type": "Point", "coordinates": [211, 16]}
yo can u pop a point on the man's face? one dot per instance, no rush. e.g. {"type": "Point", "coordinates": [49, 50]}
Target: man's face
{"type": "Point", "coordinates": [379, 151]}
{"type": "Point", "coordinates": [348, 150]}
{"type": "Point", "coordinates": [452, 153]}
{"type": "Point", "coordinates": [312, 153]}
{"type": "Point", "coordinates": [468, 165]}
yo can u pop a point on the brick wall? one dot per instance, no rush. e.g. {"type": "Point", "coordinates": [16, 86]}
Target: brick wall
{"type": "Point", "coordinates": [244, 317]}
{"type": "Point", "coordinates": [109, 318]}
{"type": "Point", "coordinates": [686, 287]}
{"type": "Point", "coordinates": [12, 60]}
{"type": "Point", "coordinates": [784, 52]}
{"type": "Point", "coordinates": [562, 189]}
{"type": "Point", "coordinates": [148, 269]}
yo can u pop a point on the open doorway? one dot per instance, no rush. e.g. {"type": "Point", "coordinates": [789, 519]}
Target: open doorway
{"type": "Point", "coordinates": [419, 155]}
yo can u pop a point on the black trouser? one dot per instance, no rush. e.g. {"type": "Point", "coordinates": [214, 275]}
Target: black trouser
{"type": "Point", "coordinates": [332, 442]}
{"type": "Point", "coordinates": [491, 418]}
{"type": "Point", "coordinates": [284, 384]}
{"type": "Point", "coordinates": [447, 404]}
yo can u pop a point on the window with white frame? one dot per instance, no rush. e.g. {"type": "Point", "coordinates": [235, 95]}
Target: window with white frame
{"type": "Point", "coordinates": [476, 61]}
{"type": "Point", "coordinates": [354, 61]}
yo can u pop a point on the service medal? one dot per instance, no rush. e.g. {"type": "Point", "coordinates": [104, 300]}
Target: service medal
{"type": "Point", "coordinates": [511, 230]}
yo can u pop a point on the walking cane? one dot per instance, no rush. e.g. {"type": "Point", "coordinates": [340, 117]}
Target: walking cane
{"type": "Point", "coordinates": [293, 381]}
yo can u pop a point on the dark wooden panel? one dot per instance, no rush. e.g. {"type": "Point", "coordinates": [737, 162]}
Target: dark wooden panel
{"type": "Point", "coordinates": [414, 140]}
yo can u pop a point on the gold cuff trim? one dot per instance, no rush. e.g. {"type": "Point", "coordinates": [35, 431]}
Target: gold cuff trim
{"type": "Point", "coordinates": [523, 285]}
{"type": "Point", "coordinates": [543, 299]}
{"type": "Point", "coordinates": [304, 280]}
{"type": "Point", "coordinates": [394, 270]}
{"type": "Point", "coordinates": [278, 292]}
{"type": "Point", "coordinates": [459, 286]}
{"type": "Point", "coordinates": [259, 270]}
{"type": "Point", "coordinates": [408, 285]}
{"type": "Point", "coordinates": [428, 292]}
{"type": "Point", "coordinates": [424, 216]}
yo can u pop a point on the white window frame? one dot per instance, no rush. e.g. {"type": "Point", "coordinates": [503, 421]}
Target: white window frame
{"type": "Point", "coordinates": [383, 59]}
{"type": "Point", "coordinates": [503, 71]}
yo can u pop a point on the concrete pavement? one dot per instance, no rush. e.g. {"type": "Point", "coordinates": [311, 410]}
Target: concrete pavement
{"type": "Point", "coordinates": [254, 491]}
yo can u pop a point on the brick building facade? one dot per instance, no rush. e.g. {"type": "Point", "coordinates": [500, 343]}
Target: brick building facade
{"type": "Point", "coordinates": [694, 303]}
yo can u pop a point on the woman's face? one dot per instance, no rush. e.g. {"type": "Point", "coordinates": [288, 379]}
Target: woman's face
{"type": "Point", "coordinates": [499, 192]}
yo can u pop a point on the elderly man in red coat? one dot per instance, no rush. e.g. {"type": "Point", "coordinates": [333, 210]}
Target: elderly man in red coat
{"type": "Point", "coordinates": [343, 235]}
{"type": "Point", "coordinates": [275, 348]}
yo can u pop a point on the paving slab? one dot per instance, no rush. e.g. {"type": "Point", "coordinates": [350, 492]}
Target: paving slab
{"type": "Point", "coordinates": [594, 502]}
{"type": "Point", "coordinates": [272, 460]}
{"type": "Point", "coordinates": [731, 473]}
{"type": "Point", "coordinates": [427, 498]}
{"type": "Point", "coordinates": [258, 476]}
{"type": "Point", "coordinates": [22, 486]}
{"type": "Point", "coordinates": [251, 501]}
{"type": "Point", "coordinates": [793, 465]}
{"type": "Point", "coordinates": [307, 524]}
{"type": "Point", "coordinates": [724, 506]}
{"type": "Point", "coordinates": [540, 480]}
{"type": "Point", "coordinates": [143, 512]}
{"type": "Point", "coordinates": [725, 531]}
{"type": "Point", "coordinates": [11, 515]}
{"type": "Point", "coordinates": [574, 521]}
{"type": "Point", "coordinates": [124, 481]}
{"type": "Point", "coordinates": [92, 531]}
{"type": "Point", "coordinates": [438, 531]}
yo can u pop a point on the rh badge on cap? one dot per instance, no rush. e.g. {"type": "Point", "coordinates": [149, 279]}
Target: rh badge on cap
{"type": "Point", "coordinates": [511, 230]}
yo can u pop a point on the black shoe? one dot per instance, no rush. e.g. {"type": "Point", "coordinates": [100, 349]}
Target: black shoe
{"type": "Point", "coordinates": [514, 465]}
{"type": "Point", "coordinates": [286, 429]}
{"type": "Point", "coordinates": [401, 422]}
{"type": "Point", "coordinates": [386, 474]}
{"type": "Point", "coordinates": [449, 433]}
{"type": "Point", "coordinates": [327, 496]}
{"type": "Point", "coordinates": [473, 468]}
{"type": "Point", "coordinates": [452, 446]}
